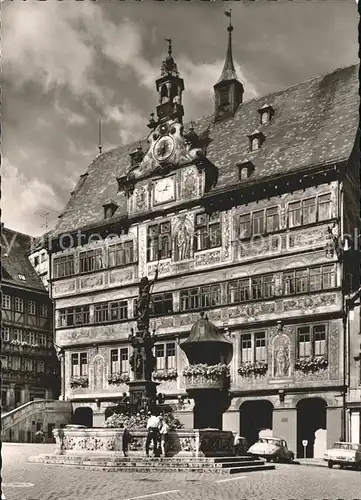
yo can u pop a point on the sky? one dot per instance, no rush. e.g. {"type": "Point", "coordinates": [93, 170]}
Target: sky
{"type": "Point", "coordinates": [65, 64]}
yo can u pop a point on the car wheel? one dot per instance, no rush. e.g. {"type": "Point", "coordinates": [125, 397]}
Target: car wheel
{"type": "Point", "coordinates": [330, 464]}
{"type": "Point", "coordinates": [268, 459]}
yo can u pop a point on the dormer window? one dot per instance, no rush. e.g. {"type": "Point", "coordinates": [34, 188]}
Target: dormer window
{"type": "Point", "coordinates": [244, 173]}
{"type": "Point", "coordinates": [137, 156]}
{"type": "Point", "coordinates": [21, 277]}
{"type": "Point", "coordinates": [255, 140]}
{"type": "Point", "coordinates": [245, 169]}
{"type": "Point", "coordinates": [109, 209]}
{"type": "Point", "coordinates": [266, 112]}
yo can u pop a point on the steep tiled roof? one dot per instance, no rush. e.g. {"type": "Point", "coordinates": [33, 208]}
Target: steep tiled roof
{"type": "Point", "coordinates": [314, 123]}
{"type": "Point", "coordinates": [14, 260]}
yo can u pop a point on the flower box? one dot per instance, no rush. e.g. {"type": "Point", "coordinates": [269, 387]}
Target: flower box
{"type": "Point", "coordinates": [118, 378]}
{"type": "Point", "coordinates": [203, 376]}
{"type": "Point", "coordinates": [79, 382]}
{"type": "Point", "coordinates": [170, 374]}
{"type": "Point", "coordinates": [249, 368]}
{"type": "Point", "coordinates": [311, 364]}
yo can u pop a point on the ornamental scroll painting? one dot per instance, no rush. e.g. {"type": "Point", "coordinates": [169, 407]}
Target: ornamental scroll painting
{"type": "Point", "coordinates": [281, 356]}
{"type": "Point", "coordinates": [189, 184]}
{"type": "Point", "coordinates": [98, 372]}
{"type": "Point", "coordinates": [183, 239]}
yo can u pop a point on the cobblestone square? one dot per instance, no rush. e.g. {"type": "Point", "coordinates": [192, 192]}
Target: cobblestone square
{"type": "Point", "coordinates": [27, 481]}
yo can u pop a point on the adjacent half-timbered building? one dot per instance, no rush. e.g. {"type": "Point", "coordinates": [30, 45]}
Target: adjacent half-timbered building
{"type": "Point", "coordinates": [29, 366]}
{"type": "Point", "coordinates": [241, 212]}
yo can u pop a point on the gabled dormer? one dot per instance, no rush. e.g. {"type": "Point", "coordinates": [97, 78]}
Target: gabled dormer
{"type": "Point", "coordinates": [265, 114]}
{"type": "Point", "coordinates": [228, 91]}
{"type": "Point", "coordinates": [256, 140]}
{"type": "Point", "coordinates": [245, 169]}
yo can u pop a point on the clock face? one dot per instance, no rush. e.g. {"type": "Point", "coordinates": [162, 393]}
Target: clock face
{"type": "Point", "coordinates": [163, 148]}
{"type": "Point", "coordinates": [164, 190]}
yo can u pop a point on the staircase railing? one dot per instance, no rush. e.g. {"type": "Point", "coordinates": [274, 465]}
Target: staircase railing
{"type": "Point", "coordinates": [18, 414]}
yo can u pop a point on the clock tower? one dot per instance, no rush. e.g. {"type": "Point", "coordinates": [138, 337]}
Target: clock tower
{"type": "Point", "coordinates": [169, 87]}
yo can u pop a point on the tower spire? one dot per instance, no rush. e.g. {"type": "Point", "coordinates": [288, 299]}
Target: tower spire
{"type": "Point", "coordinates": [170, 87]}
{"type": "Point", "coordinates": [169, 40]}
{"type": "Point", "coordinates": [228, 90]}
{"type": "Point", "coordinates": [100, 147]}
{"type": "Point", "coordinates": [228, 72]}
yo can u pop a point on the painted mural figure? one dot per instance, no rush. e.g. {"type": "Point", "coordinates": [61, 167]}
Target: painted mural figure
{"type": "Point", "coordinates": [98, 373]}
{"type": "Point", "coordinates": [183, 241]}
{"type": "Point", "coordinates": [282, 361]}
{"type": "Point", "coordinates": [143, 304]}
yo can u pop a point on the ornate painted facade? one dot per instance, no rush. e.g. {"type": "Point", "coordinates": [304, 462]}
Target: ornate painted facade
{"type": "Point", "coordinates": [238, 223]}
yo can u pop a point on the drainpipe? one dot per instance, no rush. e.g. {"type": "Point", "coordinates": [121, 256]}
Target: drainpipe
{"type": "Point", "coordinates": [345, 363]}
{"type": "Point", "coordinates": [62, 357]}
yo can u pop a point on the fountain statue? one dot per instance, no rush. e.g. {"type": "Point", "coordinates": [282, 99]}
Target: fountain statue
{"type": "Point", "coordinates": [142, 389]}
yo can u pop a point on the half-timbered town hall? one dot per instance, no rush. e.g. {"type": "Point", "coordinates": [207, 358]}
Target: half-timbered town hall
{"type": "Point", "coordinates": [29, 366]}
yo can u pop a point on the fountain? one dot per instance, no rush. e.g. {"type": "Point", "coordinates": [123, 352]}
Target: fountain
{"type": "Point", "coordinates": [207, 377]}
{"type": "Point", "coordinates": [207, 382]}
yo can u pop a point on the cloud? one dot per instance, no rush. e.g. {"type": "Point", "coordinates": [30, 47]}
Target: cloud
{"type": "Point", "coordinates": [123, 46]}
{"type": "Point", "coordinates": [42, 43]}
{"type": "Point", "coordinates": [68, 115]}
{"type": "Point", "coordinates": [130, 123]}
{"type": "Point", "coordinates": [57, 45]}
{"type": "Point", "coordinates": [22, 199]}
{"type": "Point", "coordinates": [200, 78]}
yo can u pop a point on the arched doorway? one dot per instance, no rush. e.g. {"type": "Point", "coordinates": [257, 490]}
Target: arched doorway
{"type": "Point", "coordinates": [83, 416]}
{"type": "Point", "coordinates": [311, 416]}
{"type": "Point", "coordinates": [254, 417]}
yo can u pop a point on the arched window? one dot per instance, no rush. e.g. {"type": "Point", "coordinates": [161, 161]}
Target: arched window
{"type": "Point", "coordinates": [173, 92]}
{"type": "Point", "coordinates": [244, 173]}
{"type": "Point", "coordinates": [264, 117]}
{"type": "Point", "coordinates": [255, 144]}
{"type": "Point", "coordinates": [108, 213]}
{"type": "Point", "coordinates": [224, 97]}
{"type": "Point", "coordinates": [164, 94]}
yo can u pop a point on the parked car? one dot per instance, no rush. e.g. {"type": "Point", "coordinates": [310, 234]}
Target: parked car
{"type": "Point", "coordinates": [344, 454]}
{"type": "Point", "coordinates": [240, 445]}
{"type": "Point", "coordinates": [272, 449]}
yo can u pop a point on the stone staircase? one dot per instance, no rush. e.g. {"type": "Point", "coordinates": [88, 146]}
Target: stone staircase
{"type": "Point", "coordinates": [17, 424]}
{"type": "Point", "coordinates": [117, 462]}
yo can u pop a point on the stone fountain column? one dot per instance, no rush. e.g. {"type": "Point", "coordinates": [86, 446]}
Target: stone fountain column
{"type": "Point", "coordinates": [142, 390]}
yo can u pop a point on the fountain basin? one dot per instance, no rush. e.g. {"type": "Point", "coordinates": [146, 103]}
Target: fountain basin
{"type": "Point", "coordinates": [182, 442]}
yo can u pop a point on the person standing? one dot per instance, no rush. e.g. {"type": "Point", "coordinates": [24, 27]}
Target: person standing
{"type": "Point", "coordinates": [163, 431]}
{"type": "Point", "coordinates": [153, 433]}
{"type": "Point", "coordinates": [126, 440]}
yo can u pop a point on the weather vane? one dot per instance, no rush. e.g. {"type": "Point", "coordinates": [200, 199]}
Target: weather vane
{"type": "Point", "coordinates": [169, 40]}
{"type": "Point", "coordinates": [229, 14]}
